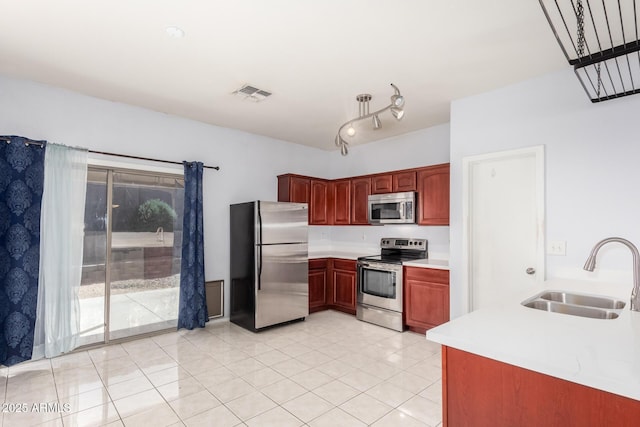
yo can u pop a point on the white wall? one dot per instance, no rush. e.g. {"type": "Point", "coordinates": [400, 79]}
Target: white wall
{"type": "Point", "coordinates": [248, 163]}
{"type": "Point", "coordinates": [592, 157]}
{"type": "Point", "coordinates": [421, 148]}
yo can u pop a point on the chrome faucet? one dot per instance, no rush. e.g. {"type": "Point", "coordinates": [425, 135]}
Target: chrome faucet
{"type": "Point", "coordinates": [590, 265]}
{"type": "Point", "coordinates": [160, 234]}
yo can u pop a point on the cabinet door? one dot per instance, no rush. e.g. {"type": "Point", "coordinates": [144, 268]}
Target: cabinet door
{"type": "Point", "coordinates": [342, 202]}
{"type": "Point", "coordinates": [344, 290]}
{"type": "Point", "coordinates": [404, 181]}
{"type": "Point", "coordinates": [427, 304]}
{"type": "Point", "coordinates": [433, 195]}
{"type": "Point", "coordinates": [360, 190]}
{"type": "Point", "coordinates": [381, 184]}
{"type": "Point", "coordinates": [479, 391]}
{"type": "Point", "coordinates": [292, 188]}
{"type": "Point", "coordinates": [317, 289]}
{"type": "Point", "coordinates": [343, 283]}
{"type": "Point", "coordinates": [426, 298]}
{"type": "Point", "coordinates": [318, 204]}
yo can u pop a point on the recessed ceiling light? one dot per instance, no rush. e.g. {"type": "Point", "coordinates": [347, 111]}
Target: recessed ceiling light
{"type": "Point", "coordinates": [175, 32]}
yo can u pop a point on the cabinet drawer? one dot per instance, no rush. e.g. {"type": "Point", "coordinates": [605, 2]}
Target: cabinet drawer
{"type": "Point", "coordinates": [344, 264]}
{"type": "Point", "coordinates": [317, 264]}
{"type": "Point", "coordinates": [427, 275]}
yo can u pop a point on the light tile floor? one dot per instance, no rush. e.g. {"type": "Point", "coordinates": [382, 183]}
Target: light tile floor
{"type": "Point", "coordinates": [330, 370]}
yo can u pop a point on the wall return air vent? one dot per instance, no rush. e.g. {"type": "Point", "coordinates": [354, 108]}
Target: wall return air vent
{"type": "Point", "coordinates": [600, 40]}
{"type": "Point", "coordinates": [252, 93]}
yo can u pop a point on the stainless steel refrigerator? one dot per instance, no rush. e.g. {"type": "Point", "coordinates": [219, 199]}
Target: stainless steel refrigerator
{"type": "Point", "coordinates": [269, 263]}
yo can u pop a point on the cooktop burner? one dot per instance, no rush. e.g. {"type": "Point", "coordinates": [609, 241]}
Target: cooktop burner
{"type": "Point", "coordinates": [398, 250]}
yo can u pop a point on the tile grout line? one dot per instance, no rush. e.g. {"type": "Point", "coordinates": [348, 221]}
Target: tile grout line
{"type": "Point", "coordinates": [236, 340]}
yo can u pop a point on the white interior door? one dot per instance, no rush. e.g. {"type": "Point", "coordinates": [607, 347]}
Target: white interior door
{"type": "Point", "coordinates": [504, 206]}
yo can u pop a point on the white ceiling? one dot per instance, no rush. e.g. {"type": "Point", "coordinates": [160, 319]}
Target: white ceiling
{"type": "Point", "coordinates": [315, 56]}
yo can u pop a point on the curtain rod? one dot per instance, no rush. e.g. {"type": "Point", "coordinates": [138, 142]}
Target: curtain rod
{"type": "Point", "coordinates": [41, 143]}
{"type": "Point", "coordinates": [147, 158]}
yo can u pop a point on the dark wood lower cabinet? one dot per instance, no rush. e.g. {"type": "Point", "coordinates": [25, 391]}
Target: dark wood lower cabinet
{"type": "Point", "coordinates": [344, 285]}
{"type": "Point", "coordinates": [426, 298]}
{"type": "Point", "coordinates": [318, 296]}
{"type": "Point", "coordinates": [332, 284]}
{"type": "Point", "coordinates": [479, 392]}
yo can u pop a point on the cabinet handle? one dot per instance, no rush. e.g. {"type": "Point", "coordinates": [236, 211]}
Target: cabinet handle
{"type": "Point", "coordinates": [531, 270]}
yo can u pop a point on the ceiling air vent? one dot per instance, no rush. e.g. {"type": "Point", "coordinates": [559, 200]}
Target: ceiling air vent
{"type": "Point", "coordinates": [252, 93]}
{"type": "Point", "coordinates": [600, 41]}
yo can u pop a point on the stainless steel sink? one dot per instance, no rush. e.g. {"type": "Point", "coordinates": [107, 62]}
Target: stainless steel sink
{"type": "Point", "coordinates": [576, 304]}
{"type": "Point", "coordinates": [583, 300]}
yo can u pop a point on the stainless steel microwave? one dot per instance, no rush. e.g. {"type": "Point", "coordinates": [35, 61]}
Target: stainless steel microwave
{"type": "Point", "coordinates": [392, 208]}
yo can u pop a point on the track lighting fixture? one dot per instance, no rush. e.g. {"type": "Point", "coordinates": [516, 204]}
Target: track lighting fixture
{"type": "Point", "coordinates": [396, 108]}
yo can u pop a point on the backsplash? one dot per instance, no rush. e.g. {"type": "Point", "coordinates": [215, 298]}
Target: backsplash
{"type": "Point", "coordinates": [368, 237]}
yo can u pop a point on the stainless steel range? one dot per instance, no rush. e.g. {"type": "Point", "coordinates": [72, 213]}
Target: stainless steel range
{"type": "Point", "coordinates": [380, 296]}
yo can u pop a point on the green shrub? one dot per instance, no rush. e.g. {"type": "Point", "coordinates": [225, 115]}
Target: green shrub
{"type": "Point", "coordinates": [155, 213]}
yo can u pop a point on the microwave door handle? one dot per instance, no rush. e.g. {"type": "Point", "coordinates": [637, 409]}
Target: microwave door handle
{"type": "Point", "coordinates": [402, 209]}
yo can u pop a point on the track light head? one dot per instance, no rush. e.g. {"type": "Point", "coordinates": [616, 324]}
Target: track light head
{"type": "Point", "coordinates": [377, 124]}
{"type": "Point", "coordinates": [398, 113]}
{"type": "Point", "coordinates": [344, 150]}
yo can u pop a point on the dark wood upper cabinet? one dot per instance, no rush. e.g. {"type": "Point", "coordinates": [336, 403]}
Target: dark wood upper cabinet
{"type": "Point", "coordinates": [342, 202]}
{"type": "Point", "coordinates": [345, 201]}
{"type": "Point", "coordinates": [404, 181]}
{"type": "Point", "coordinates": [433, 195]}
{"type": "Point", "coordinates": [318, 204]}
{"type": "Point", "coordinates": [294, 188]}
{"type": "Point", "coordinates": [360, 190]}
{"type": "Point", "coordinates": [381, 184]}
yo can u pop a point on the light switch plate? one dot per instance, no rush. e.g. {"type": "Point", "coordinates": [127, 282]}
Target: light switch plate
{"type": "Point", "coordinates": [557, 247]}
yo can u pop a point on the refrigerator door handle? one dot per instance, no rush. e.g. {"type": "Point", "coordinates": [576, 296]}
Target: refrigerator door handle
{"type": "Point", "coordinates": [259, 247]}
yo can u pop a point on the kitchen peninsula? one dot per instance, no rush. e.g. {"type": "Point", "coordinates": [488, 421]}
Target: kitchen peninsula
{"type": "Point", "coordinates": [513, 365]}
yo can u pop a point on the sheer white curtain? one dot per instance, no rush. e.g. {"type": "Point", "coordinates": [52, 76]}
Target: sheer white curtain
{"type": "Point", "coordinates": [61, 244]}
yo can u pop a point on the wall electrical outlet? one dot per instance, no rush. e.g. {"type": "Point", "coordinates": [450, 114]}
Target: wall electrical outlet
{"type": "Point", "coordinates": [557, 247]}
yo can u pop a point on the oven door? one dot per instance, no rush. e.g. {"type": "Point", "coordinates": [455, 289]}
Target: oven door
{"type": "Point", "coordinates": [380, 285]}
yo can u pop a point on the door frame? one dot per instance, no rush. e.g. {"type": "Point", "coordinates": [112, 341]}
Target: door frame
{"type": "Point", "coordinates": [467, 163]}
{"type": "Point", "coordinates": [112, 168]}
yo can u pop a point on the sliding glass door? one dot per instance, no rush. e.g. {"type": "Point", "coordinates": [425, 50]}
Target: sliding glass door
{"type": "Point", "coordinates": [131, 270]}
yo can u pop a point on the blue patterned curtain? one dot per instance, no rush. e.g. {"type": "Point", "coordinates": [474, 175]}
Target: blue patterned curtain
{"type": "Point", "coordinates": [21, 182]}
{"type": "Point", "coordinates": [193, 304]}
